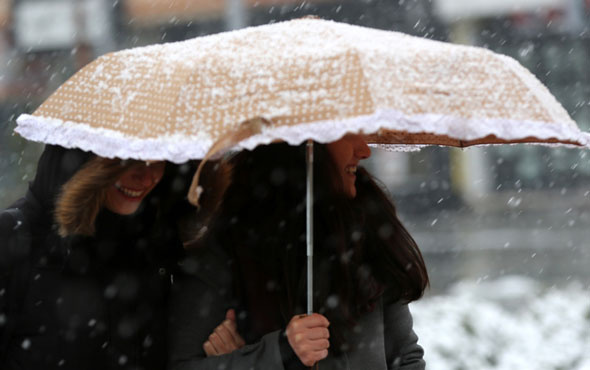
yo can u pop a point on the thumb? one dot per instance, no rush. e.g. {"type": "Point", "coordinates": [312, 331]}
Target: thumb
{"type": "Point", "coordinates": [231, 315]}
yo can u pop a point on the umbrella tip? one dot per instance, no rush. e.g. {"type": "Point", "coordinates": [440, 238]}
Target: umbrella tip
{"type": "Point", "coordinates": [310, 16]}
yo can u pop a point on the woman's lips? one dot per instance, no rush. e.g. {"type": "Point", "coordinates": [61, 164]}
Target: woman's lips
{"type": "Point", "coordinates": [129, 193]}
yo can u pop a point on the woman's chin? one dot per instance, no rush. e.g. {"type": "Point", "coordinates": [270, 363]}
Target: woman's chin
{"type": "Point", "coordinates": [128, 210]}
{"type": "Point", "coordinates": [124, 206]}
{"type": "Point", "coordinates": [350, 190]}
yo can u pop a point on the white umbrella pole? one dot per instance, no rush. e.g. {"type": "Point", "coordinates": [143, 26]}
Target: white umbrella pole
{"type": "Point", "coordinates": [309, 162]}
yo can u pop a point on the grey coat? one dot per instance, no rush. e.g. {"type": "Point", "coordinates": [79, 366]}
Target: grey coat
{"type": "Point", "coordinates": [199, 302]}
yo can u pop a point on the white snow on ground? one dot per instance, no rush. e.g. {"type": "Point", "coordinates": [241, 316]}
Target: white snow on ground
{"type": "Point", "coordinates": [509, 324]}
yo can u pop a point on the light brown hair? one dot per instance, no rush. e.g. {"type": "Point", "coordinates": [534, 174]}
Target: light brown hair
{"type": "Point", "coordinates": [82, 197]}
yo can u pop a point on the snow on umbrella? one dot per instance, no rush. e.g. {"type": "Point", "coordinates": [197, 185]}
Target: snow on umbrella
{"type": "Point", "coordinates": [306, 79]}
{"type": "Point", "coordinates": [310, 79]}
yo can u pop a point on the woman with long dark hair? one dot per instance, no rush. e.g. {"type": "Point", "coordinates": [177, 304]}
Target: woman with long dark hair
{"type": "Point", "coordinates": [250, 268]}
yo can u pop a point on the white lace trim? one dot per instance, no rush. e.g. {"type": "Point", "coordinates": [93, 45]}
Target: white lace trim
{"type": "Point", "coordinates": [180, 148]}
{"type": "Point", "coordinates": [458, 128]}
{"type": "Point", "coordinates": [110, 143]}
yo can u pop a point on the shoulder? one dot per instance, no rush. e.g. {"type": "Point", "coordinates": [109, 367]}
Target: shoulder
{"type": "Point", "coordinates": [8, 220]}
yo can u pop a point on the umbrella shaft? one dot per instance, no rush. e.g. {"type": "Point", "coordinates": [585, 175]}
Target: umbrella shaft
{"type": "Point", "coordinates": [309, 233]}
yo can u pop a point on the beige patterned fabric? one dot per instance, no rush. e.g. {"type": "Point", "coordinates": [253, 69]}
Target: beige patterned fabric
{"type": "Point", "coordinates": [309, 79]}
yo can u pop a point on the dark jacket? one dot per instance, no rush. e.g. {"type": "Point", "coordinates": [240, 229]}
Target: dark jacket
{"type": "Point", "coordinates": [201, 296]}
{"type": "Point", "coordinates": [87, 302]}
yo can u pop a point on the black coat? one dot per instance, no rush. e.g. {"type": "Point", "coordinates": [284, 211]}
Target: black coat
{"type": "Point", "coordinates": [201, 296]}
{"type": "Point", "coordinates": [88, 302]}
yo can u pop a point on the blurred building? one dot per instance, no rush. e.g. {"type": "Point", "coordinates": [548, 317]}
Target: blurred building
{"type": "Point", "coordinates": [552, 39]}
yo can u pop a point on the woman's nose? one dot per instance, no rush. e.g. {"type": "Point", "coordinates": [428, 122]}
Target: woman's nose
{"type": "Point", "coordinates": [144, 175]}
{"type": "Point", "coordinates": [361, 148]}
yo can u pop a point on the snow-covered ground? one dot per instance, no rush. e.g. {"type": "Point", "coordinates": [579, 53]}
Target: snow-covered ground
{"type": "Point", "coordinates": [512, 323]}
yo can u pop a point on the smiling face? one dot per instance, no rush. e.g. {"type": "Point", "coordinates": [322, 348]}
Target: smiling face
{"type": "Point", "coordinates": [125, 196]}
{"type": "Point", "coordinates": [346, 154]}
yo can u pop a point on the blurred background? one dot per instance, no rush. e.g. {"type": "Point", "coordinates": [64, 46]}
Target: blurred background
{"type": "Point", "coordinates": [505, 230]}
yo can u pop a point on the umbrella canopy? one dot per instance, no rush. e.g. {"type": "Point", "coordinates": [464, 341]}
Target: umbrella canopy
{"type": "Point", "coordinates": [304, 79]}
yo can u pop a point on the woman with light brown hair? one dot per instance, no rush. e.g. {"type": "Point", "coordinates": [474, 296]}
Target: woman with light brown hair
{"type": "Point", "coordinates": [87, 259]}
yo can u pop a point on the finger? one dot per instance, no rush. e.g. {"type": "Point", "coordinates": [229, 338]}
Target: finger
{"type": "Point", "coordinates": [317, 333]}
{"type": "Point", "coordinates": [231, 315]}
{"type": "Point", "coordinates": [240, 341]}
{"type": "Point", "coordinates": [312, 346]}
{"type": "Point", "coordinates": [320, 355]}
{"type": "Point", "coordinates": [218, 344]}
{"type": "Point", "coordinates": [311, 358]}
{"type": "Point", "coordinates": [230, 325]}
{"type": "Point", "coordinates": [319, 345]}
{"type": "Point", "coordinates": [233, 330]}
{"type": "Point", "coordinates": [209, 349]}
{"type": "Point", "coordinates": [314, 320]}
{"type": "Point", "coordinates": [301, 346]}
{"type": "Point", "coordinates": [300, 323]}
{"type": "Point", "coordinates": [226, 337]}
{"type": "Point", "coordinates": [308, 361]}
{"type": "Point", "coordinates": [298, 317]}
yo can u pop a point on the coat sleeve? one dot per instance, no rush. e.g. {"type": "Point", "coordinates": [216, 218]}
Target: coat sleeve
{"type": "Point", "coordinates": [402, 350]}
{"type": "Point", "coordinates": [261, 355]}
{"type": "Point", "coordinates": [15, 244]}
{"type": "Point", "coordinates": [198, 304]}
{"type": "Point", "coordinates": [15, 236]}
{"type": "Point", "coordinates": [7, 238]}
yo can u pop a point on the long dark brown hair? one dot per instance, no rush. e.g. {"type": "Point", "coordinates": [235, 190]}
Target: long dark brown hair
{"type": "Point", "coordinates": [362, 250]}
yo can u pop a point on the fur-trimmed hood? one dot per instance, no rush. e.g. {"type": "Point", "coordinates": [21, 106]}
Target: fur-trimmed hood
{"type": "Point", "coordinates": [56, 166]}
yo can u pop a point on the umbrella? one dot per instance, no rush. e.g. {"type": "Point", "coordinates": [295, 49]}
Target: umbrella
{"type": "Point", "coordinates": [306, 79]}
